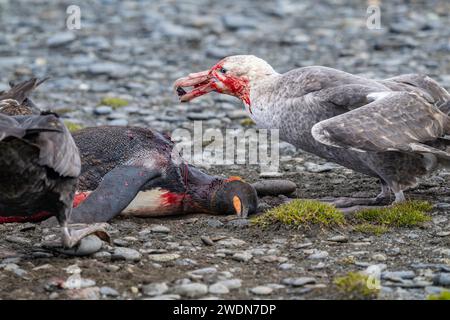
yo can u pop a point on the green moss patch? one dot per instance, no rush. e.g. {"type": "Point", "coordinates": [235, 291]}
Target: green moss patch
{"type": "Point", "coordinates": [114, 103]}
{"type": "Point", "coordinates": [368, 228]}
{"type": "Point", "coordinates": [444, 295]}
{"type": "Point", "coordinates": [247, 122]}
{"type": "Point", "coordinates": [405, 214]}
{"type": "Point", "coordinates": [376, 221]}
{"type": "Point", "coordinates": [301, 212]}
{"type": "Point", "coordinates": [72, 127]}
{"type": "Point", "coordinates": [356, 285]}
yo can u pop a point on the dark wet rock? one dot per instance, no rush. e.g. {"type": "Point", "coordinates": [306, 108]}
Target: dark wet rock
{"type": "Point", "coordinates": [274, 187]}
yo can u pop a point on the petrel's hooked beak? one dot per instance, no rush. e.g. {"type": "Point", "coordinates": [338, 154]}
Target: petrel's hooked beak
{"type": "Point", "coordinates": [202, 82]}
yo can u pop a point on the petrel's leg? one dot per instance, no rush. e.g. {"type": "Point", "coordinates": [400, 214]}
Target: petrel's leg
{"type": "Point", "coordinates": [117, 189]}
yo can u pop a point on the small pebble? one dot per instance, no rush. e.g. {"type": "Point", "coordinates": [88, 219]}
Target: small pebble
{"type": "Point", "coordinates": [261, 290]}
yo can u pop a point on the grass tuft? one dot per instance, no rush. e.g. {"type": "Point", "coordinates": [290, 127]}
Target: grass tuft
{"type": "Point", "coordinates": [72, 126]}
{"type": "Point", "coordinates": [301, 212]}
{"type": "Point", "coordinates": [368, 228]}
{"type": "Point", "coordinates": [405, 214]}
{"type": "Point", "coordinates": [114, 103]}
{"type": "Point", "coordinates": [356, 285]}
{"type": "Point", "coordinates": [444, 295]}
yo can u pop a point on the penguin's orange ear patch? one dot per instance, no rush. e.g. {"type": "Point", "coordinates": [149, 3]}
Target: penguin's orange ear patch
{"type": "Point", "coordinates": [237, 205]}
{"type": "Point", "coordinates": [234, 178]}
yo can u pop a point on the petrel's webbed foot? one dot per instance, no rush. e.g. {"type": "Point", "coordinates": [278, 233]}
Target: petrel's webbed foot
{"type": "Point", "coordinates": [75, 233]}
{"type": "Point", "coordinates": [344, 202]}
{"type": "Point", "coordinates": [384, 198]}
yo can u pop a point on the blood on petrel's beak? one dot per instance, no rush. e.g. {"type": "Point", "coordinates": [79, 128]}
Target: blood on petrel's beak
{"type": "Point", "coordinates": [201, 81]}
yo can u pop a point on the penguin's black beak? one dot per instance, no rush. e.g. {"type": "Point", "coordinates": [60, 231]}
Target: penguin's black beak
{"type": "Point", "coordinates": [235, 197]}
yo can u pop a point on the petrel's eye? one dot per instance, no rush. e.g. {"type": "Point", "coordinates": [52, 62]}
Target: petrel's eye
{"type": "Point", "coordinates": [223, 70]}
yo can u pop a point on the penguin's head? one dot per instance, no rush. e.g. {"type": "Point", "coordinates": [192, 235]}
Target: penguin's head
{"type": "Point", "coordinates": [234, 196]}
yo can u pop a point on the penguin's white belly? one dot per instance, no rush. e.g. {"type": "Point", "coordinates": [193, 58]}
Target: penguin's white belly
{"type": "Point", "coordinates": [154, 202]}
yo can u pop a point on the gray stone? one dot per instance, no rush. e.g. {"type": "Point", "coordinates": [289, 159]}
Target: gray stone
{"type": "Point", "coordinates": [122, 253]}
{"type": "Point", "coordinates": [155, 289]}
{"type": "Point", "coordinates": [159, 229]}
{"type": "Point", "coordinates": [103, 110]}
{"type": "Point", "coordinates": [261, 290]}
{"type": "Point", "coordinates": [318, 255]}
{"type": "Point", "coordinates": [191, 290]}
{"type": "Point", "coordinates": [214, 223]}
{"type": "Point", "coordinates": [109, 292]}
{"type": "Point", "coordinates": [87, 246]}
{"type": "Point", "coordinates": [238, 223]}
{"type": "Point", "coordinates": [118, 122]}
{"type": "Point", "coordinates": [77, 282]}
{"type": "Point", "coordinates": [298, 282]}
{"type": "Point", "coordinates": [163, 257]}
{"type": "Point", "coordinates": [218, 288]}
{"type": "Point", "coordinates": [398, 275]}
{"type": "Point", "coordinates": [235, 22]}
{"type": "Point", "coordinates": [203, 271]}
{"type": "Point", "coordinates": [338, 238]}
{"type": "Point", "coordinates": [242, 256]}
{"type": "Point", "coordinates": [231, 283]}
{"type": "Point", "coordinates": [166, 297]}
{"type": "Point", "coordinates": [442, 279]}
{"type": "Point", "coordinates": [61, 39]}
{"type": "Point", "coordinates": [231, 242]}
{"type": "Point", "coordinates": [111, 69]}
{"type": "Point", "coordinates": [318, 168]}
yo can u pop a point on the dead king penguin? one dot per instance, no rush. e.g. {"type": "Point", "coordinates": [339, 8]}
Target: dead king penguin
{"type": "Point", "coordinates": [138, 172]}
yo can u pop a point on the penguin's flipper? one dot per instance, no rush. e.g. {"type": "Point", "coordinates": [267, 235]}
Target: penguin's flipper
{"type": "Point", "coordinates": [117, 189]}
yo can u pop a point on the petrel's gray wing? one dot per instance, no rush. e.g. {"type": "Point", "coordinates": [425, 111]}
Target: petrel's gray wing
{"type": "Point", "coordinates": [394, 121]}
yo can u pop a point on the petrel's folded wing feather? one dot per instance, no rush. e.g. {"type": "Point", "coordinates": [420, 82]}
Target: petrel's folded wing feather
{"type": "Point", "coordinates": [57, 147]}
{"type": "Point", "coordinates": [397, 121]}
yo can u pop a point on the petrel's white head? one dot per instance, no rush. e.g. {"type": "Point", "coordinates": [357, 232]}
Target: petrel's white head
{"type": "Point", "coordinates": [232, 75]}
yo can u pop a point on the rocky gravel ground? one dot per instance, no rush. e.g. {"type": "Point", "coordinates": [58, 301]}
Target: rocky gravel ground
{"type": "Point", "coordinates": [134, 50]}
